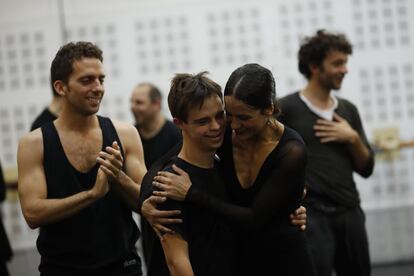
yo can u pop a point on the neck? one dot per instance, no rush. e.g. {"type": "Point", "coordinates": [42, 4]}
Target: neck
{"type": "Point", "coordinates": [75, 121]}
{"type": "Point", "coordinates": [55, 107]}
{"type": "Point", "coordinates": [317, 94]}
{"type": "Point", "coordinates": [151, 127]}
{"type": "Point", "coordinates": [196, 156]}
{"type": "Point", "coordinates": [269, 135]}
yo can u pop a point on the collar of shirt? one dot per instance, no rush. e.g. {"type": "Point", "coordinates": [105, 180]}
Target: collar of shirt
{"type": "Point", "coordinates": [326, 114]}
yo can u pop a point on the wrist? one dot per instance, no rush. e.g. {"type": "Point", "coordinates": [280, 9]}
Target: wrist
{"type": "Point", "coordinates": [353, 139]}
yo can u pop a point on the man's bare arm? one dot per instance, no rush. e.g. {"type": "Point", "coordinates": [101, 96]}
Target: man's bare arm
{"type": "Point", "coordinates": [176, 255]}
{"type": "Point", "coordinates": [127, 184]}
{"type": "Point", "coordinates": [37, 209]}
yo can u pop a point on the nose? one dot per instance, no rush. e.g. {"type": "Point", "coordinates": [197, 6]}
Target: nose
{"type": "Point", "coordinates": [234, 123]}
{"type": "Point", "coordinates": [98, 86]}
{"type": "Point", "coordinates": [215, 125]}
{"type": "Point", "coordinates": [344, 69]}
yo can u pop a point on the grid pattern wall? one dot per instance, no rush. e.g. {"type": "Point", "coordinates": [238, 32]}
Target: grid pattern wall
{"type": "Point", "coordinates": [146, 41]}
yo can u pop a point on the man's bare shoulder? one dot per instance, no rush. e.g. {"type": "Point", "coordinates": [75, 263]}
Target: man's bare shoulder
{"type": "Point", "coordinates": [32, 143]}
{"type": "Point", "coordinates": [33, 138]}
{"type": "Point", "coordinates": [124, 128]}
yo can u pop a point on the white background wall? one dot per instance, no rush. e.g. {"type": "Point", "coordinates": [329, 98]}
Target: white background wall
{"type": "Point", "coordinates": [151, 40]}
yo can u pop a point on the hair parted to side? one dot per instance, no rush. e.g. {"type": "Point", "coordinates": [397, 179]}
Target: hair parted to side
{"type": "Point", "coordinates": [188, 91]}
{"type": "Point", "coordinates": [314, 49]}
{"type": "Point", "coordinates": [254, 85]}
{"type": "Point", "coordinates": [62, 64]}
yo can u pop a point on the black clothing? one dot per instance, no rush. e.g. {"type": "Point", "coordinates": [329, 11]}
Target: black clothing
{"type": "Point", "coordinates": [157, 146]}
{"type": "Point", "coordinates": [335, 225]}
{"type": "Point", "coordinates": [98, 240]}
{"type": "Point", "coordinates": [43, 118]}
{"type": "Point", "coordinates": [5, 248]}
{"type": "Point", "coordinates": [329, 174]}
{"type": "Point", "coordinates": [265, 240]}
{"type": "Point", "coordinates": [154, 149]}
{"type": "Point", "coordinates": [338, 240]}
{"type": "Point", "coordinates": [208, 238]}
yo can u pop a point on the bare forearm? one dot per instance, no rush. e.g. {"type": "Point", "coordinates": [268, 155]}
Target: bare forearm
{"type": "Point", "coordinates": [41, 212]}
{"type": "Point", "coordinates": [128, 190]}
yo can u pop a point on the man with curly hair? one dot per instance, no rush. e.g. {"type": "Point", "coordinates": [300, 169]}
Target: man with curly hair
{"type": "Point", "coordinates": [337, 147]}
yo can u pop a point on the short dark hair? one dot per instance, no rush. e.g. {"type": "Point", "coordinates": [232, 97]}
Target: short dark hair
{"type": "Point", "coordinates": [313, 50]}
{"type": "Point", "coordinates": [254, 85]}
{"type": "Point", "coordinates": [154, 93]}
{"type": "Point", "coordinates": [62, 64]}
{"type": "Point", "coordinates": [190, 90]}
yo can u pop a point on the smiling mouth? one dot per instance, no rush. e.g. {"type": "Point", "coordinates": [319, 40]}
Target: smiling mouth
{"type": "Point", "coordinates": [94, 100]}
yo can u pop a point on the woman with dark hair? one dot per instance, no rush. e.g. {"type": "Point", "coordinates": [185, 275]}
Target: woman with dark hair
{"type": "Point", "coordinates": [264, 168]}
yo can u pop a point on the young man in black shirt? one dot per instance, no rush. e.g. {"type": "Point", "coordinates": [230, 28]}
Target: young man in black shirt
{"type": "Point", "coordinates": [79, 176]}
{"type": "Point", "coordinates": [337, 146]}
{"type": "Point", "coordinates": [200, 244]}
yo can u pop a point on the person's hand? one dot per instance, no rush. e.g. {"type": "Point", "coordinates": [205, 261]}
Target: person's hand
{"type": "Point", "coordinates": [338, 130]}
{"type": "Point", "coordinates": [173, 186]}
{"type": "Point", "coordinates": [101, 187]}
{"type": "Point", "coordinates": [157, 218]}
{"type": "Point", "coordinates": [298, 218]}
{"type": "Point", "coordinates": [111, 161]}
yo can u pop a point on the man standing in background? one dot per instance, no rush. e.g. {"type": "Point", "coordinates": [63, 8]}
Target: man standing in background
{"type": "Point", "coordinates": [158, 134]}
{"type": "Point", "coordinates": [50, 113]}
{"type": "Point", "coordinates": [337, 147]}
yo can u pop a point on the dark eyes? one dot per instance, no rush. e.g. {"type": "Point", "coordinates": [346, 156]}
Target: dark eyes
{"type": "Point", "coordinates": [86, 81]}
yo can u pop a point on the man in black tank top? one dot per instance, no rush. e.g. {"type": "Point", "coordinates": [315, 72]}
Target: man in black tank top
{"type": "Point", "coordinates": [79, 176]}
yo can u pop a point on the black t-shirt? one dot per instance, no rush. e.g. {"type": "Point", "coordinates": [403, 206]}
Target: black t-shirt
{"type": "Point", "coordinates": [208, 238]}
{"type": "Point", "coordinates": [157, 146]}
{"type": "Point", "coordinates": [329, 174]}
{"type": "Point", "coordinates": [44, 117]}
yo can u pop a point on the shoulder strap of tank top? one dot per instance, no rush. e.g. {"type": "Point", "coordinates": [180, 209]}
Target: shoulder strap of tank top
{"type": "Point", "coordinates": [109, 133]}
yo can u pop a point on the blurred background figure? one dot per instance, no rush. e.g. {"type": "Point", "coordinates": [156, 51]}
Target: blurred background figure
{"type": "Point", "coordinates": [50, 113]}
{"type": "Point", "coordinates": [158, 134]}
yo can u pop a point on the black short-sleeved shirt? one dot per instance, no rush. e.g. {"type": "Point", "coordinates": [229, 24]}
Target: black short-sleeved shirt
{"type": "Point", "coordinates": [208, 237]}
{"type": "Point", "coordinates": [43, 118]}
{"type": "Point", "coordinates": [157, 146]}
{"type": "Point", "coordinates": [329, 174]}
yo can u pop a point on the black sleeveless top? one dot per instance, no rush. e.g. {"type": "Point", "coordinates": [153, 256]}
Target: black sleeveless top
{"type": "Point", "coordinates": [97, 237]}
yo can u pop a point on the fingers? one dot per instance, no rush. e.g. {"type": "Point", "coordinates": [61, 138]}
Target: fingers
{"type": "Point", "coordinates": [324, 122]}
{"type": "Point", "coordinates": [106, 170]}
{"type": "Point", "coordinates": [156, 199]}
{"type": "Point", "coordinates": [165, 214]}
{"type": "Point", "coordinates": [169, 220]}
{"type": "Point", "coordinates": [338, 118]}
{"type": "Point", "coordinates": [115, 151]}
{"type": "Point", "coordinates": [160, 193]}
{"type": "Point", "coordinates": [160, 186]}
{"type": "Point", "coordinates": [160, 230]}
{"type": "Point", "coordinates": [111, 169]}
{"type": "Point", "coordinates": [303, 227]}
{"type": "Point", "coordinates": [165, 174]}
{"type": "Point", "coordinates": [178, 170]}
{"type": "Point", "coordinates": [328, 140]}
{"type": "Point", "coordinates": [301, 209]}
{"type": "Point", "coordinates": [162, 179]}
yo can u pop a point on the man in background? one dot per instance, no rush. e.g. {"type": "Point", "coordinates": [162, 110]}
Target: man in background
{"type": "Point", "coordinates": [158, 134]}
{"type": "Point", "coordinates": [50, 113]}
{"type": "Point", "coordinates": [337, 147]}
